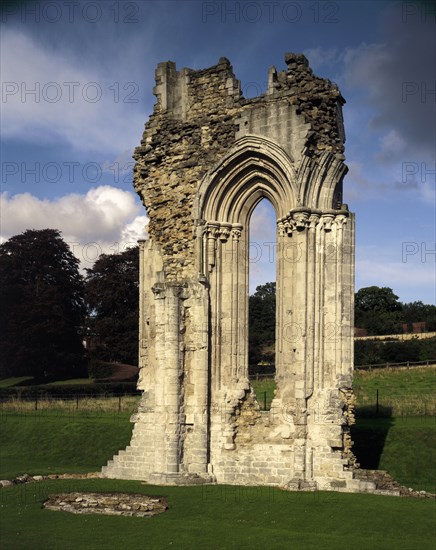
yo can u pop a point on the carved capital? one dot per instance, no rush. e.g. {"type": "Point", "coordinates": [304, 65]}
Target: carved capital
{"type": "Point", "coordinates": [314, 219]}
{"type": "Point", "coordinates": [224, 232]}
{"type": "Point", "coordinates": [212, 230]}
{"type": "Point", "coordinates": [236, 232]}
{"type": "Point", "coordinates": [305, 218]}
{"type": "Point", "coordinates": [327, 220]}
{"type": "Point", "coordinates": [286, 227]}
{"type": "Point", "coordinates": [281, 228]}
{"type": "Point", "coordinates": [301, 219]}
{"type": "Point", "coordinates": [341, 220]}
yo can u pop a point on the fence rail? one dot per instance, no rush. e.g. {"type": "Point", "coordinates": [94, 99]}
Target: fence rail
{"type": "Point", "coordinates": [90, 403]}
{"type": "Point", "coordinates": [407, 364]}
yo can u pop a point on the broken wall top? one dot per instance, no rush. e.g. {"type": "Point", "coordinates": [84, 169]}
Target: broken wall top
{"type": "Point", "coordinates": [200, 114]}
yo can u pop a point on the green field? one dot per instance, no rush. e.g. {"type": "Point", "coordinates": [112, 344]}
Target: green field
{"type": "Point", "coordinates": [405, 447]}
{"type": "Point", "coordinates": [264, 388]}
{"type": "Point", "coordinates": [221, 517]}
{"type": "Point", "coordinates": [224, 517]}
{"type": "Point", "coordinates": [404, 391]}
{"type": "Point", "coordinates": [43, 443]}
{"type": "Point", "coordinates": [410, 392]}
{"type": "Point", "coordinates": [14, 381]}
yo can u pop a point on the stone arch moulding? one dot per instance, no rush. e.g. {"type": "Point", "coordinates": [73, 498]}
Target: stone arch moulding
{"type": "Point", "coordinates": [252, 164]}
{"type": "Point", "coordinates": [207, 157]}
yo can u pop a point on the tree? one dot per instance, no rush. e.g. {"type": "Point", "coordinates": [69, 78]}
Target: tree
{"type": "Point", "coordinates": [374, 298]}
{"type": "Point", "coordinates": [112, 297]}
{"type": "Point", "coordinates": [378, 310]}
{"type": "Point", "coordinates": [262, 321]}
{"type": "Point", "coordinates": [42, 307]}
{"type": "Point", "coordinates": [415, 312]}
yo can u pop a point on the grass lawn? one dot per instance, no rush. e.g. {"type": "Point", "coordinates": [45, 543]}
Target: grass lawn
{"type": "Point", "coordinates": [405, 447]}
{"type": "Point", "coordinates": [262, 387]}
{"type": "Point", "coordinates": [43, 443]}
{"type": "Point", "coordinates": [73, 381]}
{"type": "Point", "coordinates": [406, 391]}
{"type": "Point", "coordinates": [9, 382]}
{"type": "Point", "coordinates": [221, 517]}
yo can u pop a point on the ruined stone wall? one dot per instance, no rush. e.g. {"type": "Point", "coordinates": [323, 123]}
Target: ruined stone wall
{"type": "Point", "coordinates": [207, 157]}
{"type": "Point", "coordinates": [197, 118]}
{"type": "Point", "coordinates": [186, 134]}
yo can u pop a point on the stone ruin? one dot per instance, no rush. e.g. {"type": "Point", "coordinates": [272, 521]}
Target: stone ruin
{"type": "Point", "coordinates": [208, 156]}
{"type": "Point", "coordinates": [109, 504]}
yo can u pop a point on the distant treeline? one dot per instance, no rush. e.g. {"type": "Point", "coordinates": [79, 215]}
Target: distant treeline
{"type": "Point", "coordinates": [377, 310]}
{"type": "Point", "coordinates": [371, 352]}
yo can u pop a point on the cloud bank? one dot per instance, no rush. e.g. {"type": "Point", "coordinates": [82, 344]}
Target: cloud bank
{"type": "Point", "coordinates": [104, 220]}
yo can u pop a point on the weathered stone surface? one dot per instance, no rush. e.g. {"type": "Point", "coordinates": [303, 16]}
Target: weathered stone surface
{"type": "Point", "coordinates": [26, 478]}
{"type": "Point", "coordinates": [374, 481]}
{"type": "Point", "coordinates": [206, 159]}
{"type": "Point", "coordinates": [112, 504]}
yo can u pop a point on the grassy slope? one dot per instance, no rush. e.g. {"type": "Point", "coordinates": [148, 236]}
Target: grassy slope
{"type": "Point", "coordinates": [204, 517]}
{"type": "Point", "coordinates": [406, 448]}
{"type": "Point", "coordinates": [9, 382]}
{"type": "Point", "coordinates": [400, 384]}
{"type": "Point", "coordinates": [219, 517]}
{"type": "Point", "coordinates": [405, 389]}
{"type": "Point", "coordinates": [43, 443]}
{"type": "Point", "coordinates": [260, 387]}
{"type": "Point", "coordinates": [81, 381]}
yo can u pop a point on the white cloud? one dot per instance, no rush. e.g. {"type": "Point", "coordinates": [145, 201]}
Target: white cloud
{"type": "Point", "coordinates": [72, 103]}
{"type": "Point", "coordinates": [319, 56]}
{"type": "Point", "coordinates": [105, 219]}
{"type": "Point", "coordinates": [392, 146]}
{"type": "Point", "coordinates": [134, 230]}
{"type": "Point", "coordinates": [263, 223]}
{"type": "Point", "coordinates": [409, 269]}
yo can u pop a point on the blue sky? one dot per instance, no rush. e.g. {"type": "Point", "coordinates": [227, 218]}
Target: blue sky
{"type": "Point", "coordinates": [77, 82]}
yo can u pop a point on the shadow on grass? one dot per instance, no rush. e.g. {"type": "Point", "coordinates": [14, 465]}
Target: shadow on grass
{"type": "Point", "coordinates": [369, 434]}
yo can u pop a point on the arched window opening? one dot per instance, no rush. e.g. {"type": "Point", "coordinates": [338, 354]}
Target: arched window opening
{"type": "Point", "coordinates": [262, 302]}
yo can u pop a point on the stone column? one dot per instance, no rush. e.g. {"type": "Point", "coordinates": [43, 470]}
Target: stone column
{"type": "Point", "coordinates": [168, 389]}
{"type": "Point", "coordinates": [239, 303]}
{"type": "Point", "coordinates": [172, 379]}
{"type": "Point", "coordinates": [197, 411]}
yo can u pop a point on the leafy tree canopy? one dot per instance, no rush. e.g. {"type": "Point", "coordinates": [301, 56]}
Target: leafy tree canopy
{"type": "Point", "coordinates": [374, 298]}
{"type": "Point", "coordinates": [42, 307]}
{"type": "Point", "coordinates": [112, 297]}
{"type": "Point", "coordinates": [415, 312]}
{"type": "Point", "coordinates": [262, 321]}
{"type": "Point", "coordinates": [378, 310]}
